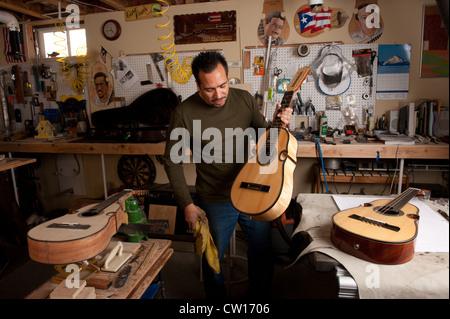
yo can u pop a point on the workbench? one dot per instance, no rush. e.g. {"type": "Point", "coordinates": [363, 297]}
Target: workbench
{"type": "Point", "coordinates": [425, 276]}
{"type": "Point", "coordinates": [306, 149]}
{"type": "Point", "coordinates": [11, 163]}
{"type": "Point", "coordinates": [354, 177]}
{"type": "Point", "coordinates": [144, 269]}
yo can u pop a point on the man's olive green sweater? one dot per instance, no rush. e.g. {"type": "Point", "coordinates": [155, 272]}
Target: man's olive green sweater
{"type": "Point", "coordinates": [210, 133]}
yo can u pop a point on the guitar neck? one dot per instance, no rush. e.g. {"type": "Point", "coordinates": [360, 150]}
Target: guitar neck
{"type": "Point", "coordinates": [401, 200]}
{"type": "Point", "coordinates": [294, 85]}
{"type": "Point", "coordinates": [285, 103]}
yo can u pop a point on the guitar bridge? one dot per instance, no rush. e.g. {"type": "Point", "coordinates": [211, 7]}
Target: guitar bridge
{"type": "Point", "coordinates": [256, 187]}
{"type": "Point", "coordinates": [69, 226]}
{"type": "Point", "coordinates": [375, 222]}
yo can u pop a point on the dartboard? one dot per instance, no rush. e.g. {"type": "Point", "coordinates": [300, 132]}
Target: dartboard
{"type": "Point", "coordinates": [136, 171]}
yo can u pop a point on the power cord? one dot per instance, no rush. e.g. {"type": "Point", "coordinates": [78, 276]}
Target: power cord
{"type": "Point", "coordinates": [320, 157]}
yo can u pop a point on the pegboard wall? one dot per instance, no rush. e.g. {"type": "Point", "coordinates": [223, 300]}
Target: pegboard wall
{"type": "Point", "coordinates": [145, 69]}
{"type": "Point", "coordinates": [27, 110]}
{"type": "Point", "coordinates": [288, 61]}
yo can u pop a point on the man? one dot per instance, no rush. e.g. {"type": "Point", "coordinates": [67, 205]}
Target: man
{"type": "Point", "coordinates": [366, 32]}
{"type": "Point", "coordinates": [272, 26]}
{"type": "Point", "coordinates": [217, 107]}
{"type": "Point", "coordinates": [104, 96]}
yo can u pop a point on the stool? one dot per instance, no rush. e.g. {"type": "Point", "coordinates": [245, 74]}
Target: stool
{"type": "Point", "coordinates": [228, 258]}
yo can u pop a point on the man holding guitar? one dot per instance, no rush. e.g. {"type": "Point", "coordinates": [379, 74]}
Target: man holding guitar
{"type": "Point", "coordinates": [218, 107]}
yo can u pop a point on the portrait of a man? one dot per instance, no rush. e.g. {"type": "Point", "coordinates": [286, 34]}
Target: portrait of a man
{"type": "Point", "coordinates": [273, 26]}
{"type": "Point", "coordinates": [103, 89]}
{"type": "Point", "coordinates": [366, 25]}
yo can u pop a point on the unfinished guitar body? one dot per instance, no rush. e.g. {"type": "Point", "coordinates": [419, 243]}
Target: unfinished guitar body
{"type": "Point", "coordinates": [78, 236]}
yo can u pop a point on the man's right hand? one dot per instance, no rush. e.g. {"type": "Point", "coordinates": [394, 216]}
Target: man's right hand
{"type": "Point", "coordinates": [191, 214]}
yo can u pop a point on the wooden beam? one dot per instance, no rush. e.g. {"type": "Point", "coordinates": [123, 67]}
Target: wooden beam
{"type": "Point", "coordinates": [65, 3]}
{"type": "Point", "coordinates": [116, 4]}
{"type": "Point", "coordinates": [21, 8]}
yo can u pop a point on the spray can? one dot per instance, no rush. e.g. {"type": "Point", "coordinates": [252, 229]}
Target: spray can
{"type": "Point", "coordinates": [323, 126]}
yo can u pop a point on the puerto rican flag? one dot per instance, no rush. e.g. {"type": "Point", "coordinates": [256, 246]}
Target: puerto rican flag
{"type": "Point", "coordinates": [214, 18]}
{"type": "Point", "coordinates": [9, 58]}
{"type": "Point", "coordinates": [314, 21]}
{"type": "Point", "coordinates": [306, 18]}
{"type": "Point", "coordinates": [103, 54]}
{"type": "Point", "coordinates": [322, 20]}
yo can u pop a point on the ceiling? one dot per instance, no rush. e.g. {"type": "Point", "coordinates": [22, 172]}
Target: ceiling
{"type": "Point", "coordinates": [31, 10]}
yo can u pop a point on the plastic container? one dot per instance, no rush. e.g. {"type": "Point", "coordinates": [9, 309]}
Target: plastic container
{"type": "Point", "coordinates": [323, 126]}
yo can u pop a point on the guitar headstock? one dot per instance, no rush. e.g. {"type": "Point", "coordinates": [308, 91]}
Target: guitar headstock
{"type": "Point", "coordinates": [298, 79]}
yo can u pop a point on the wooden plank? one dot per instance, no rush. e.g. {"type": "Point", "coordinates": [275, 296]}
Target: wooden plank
{"type": "Point", "coordinates": [63, 292]}
{"type": "Point", "coordinates": [9, 162]}
{"type": "Point", "coordinates": [304, 150]}
{"type": "Point", "coordinates": [58, 147]}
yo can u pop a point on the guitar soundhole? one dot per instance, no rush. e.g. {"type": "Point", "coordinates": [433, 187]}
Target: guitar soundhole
{"type": "Point", "coordinates": [386, 210]}
{"type": "Point", "coordinates": [89, 213]}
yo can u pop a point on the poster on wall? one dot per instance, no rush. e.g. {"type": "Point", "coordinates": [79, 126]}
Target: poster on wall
{"type": "Point", "coordinates": [434, 62]}
{"type": "Point", "coordinates": [205, 27]}
{"type": "Point", "coordinates": [273, 23]}
{"type": "Point", "coordinates": [101, 90]}
{"type": "Point", "coordinates": [393, 71]}
{"type": "Point", "coordinates": [311, 22]}
{"type": "Point", "coordinates": [366, 24]}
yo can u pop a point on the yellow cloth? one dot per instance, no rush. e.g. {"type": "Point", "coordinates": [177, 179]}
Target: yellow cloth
{"type": "Point", "coordinates": [204, 244]}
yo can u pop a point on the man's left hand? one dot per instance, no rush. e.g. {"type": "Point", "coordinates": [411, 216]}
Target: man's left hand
{"type": "Point", "coordinates": [285, 115]}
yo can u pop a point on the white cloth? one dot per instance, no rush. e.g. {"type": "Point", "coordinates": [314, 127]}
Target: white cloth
{"type": "Point", "coordinates": [425, 276]}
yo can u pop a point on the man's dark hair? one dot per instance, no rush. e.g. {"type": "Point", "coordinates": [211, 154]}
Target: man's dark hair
{"type": "Point", "coordinates": [363, 5]}
{"type": "Point", "coordinates": [207, 62]}
{"type": "Point", "coordinates": [101, 74]}
{"type": "Point", "coordinates": [274, 14]}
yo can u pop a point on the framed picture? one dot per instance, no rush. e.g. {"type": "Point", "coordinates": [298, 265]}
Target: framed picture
{"type": "Point", "coordinates": [434, 57]}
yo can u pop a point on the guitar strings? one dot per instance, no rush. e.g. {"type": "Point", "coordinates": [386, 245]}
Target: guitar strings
{"type": "Point", "coordinates": [397, 201]}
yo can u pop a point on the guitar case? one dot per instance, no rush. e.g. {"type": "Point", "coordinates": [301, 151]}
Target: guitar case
{"type": "Point", "coordinates": [284, 226]}
{"type": "Point", "coordinates": [147, 117]}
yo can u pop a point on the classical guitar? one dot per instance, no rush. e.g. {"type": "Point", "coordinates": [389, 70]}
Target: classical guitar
{"type": "Point", "coordinates": [263, 188]}
{"type": "Point", "coordinates": [381, 231]}
{"type": "Point", "coordinates": [80, 235]}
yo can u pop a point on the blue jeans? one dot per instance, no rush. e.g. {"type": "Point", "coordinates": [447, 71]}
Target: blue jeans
{"type": "Point", "coordinates": [222, 219]}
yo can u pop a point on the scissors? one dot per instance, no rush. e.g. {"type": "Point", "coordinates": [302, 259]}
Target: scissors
{"type": "Point", "coordinates": [277, 72]}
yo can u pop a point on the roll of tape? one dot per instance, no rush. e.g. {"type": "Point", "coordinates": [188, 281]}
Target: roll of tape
{"type": "Point", "coordinates": [303, 50]}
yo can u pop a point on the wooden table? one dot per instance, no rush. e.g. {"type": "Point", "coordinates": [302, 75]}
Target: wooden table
{"type": "Point", "coordinates": [425, 276]}
{"type": "Point", "coordinates": [143, 272]}
{"type": "Point", "coordinates": [11, 163]}
{"type": "Point", "coordinates": [306, 149]}
{"type": "Point", "coordinates": [353, 177]}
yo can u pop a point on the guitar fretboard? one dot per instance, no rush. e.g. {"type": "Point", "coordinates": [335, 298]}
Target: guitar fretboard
{"type": "Point", "coordinates": [394, 206]}
{"type": "Point", "coordinates": [285, 102]}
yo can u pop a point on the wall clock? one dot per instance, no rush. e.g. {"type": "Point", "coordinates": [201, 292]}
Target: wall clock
{"type": "Point", "coordinates": [111, 30]}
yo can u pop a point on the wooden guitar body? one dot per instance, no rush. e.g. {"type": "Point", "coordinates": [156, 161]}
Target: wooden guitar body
{"type": "Point", "coordinates": [75, 237]}
{"type": "Point", "coordinates": [377, 235]}
{"type": "Point", "coordinates": [263, 192]}
{"type": "Point", "coordinates": [263, 188]}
